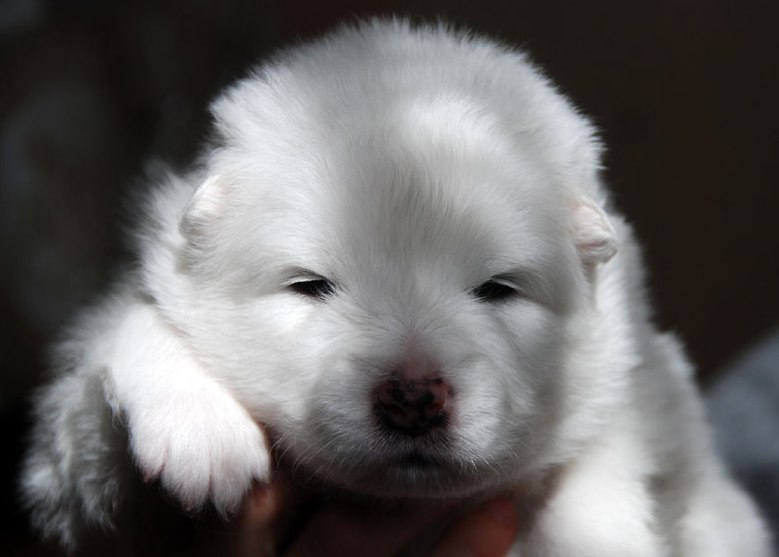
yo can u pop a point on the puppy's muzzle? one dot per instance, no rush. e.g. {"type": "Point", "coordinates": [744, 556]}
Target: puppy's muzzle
{"type": "Point", "coordinates": [413, 406]}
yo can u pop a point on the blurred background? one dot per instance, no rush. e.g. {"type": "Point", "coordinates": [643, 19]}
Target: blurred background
{"type": "Point", "coordinates": [684, 91]}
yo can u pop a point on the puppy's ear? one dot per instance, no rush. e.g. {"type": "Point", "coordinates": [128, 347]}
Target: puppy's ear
{"type": "Point", "coordinates": [594, 235]}
{"type": "Point", "coordinates": [206, 205]}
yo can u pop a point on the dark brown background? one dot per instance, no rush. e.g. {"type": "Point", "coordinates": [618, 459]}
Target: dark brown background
{"type": "Point", "coordinates": [684, 91]}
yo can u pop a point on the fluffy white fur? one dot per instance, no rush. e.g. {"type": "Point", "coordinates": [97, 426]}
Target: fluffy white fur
{"type": "Point", "coordinates": [406, 166]}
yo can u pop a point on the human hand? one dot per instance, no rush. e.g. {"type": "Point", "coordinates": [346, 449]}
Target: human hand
{"type": "Point", "coordinates": [340, 529]}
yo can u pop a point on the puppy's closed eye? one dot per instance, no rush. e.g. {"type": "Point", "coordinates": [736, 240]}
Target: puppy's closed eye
{"type": "Point", "coordinates": [496, 290]}
{"type": "Point", "coordinates": [313, 286]}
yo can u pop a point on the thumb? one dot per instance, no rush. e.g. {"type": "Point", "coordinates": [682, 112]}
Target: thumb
{"type": "Point", "coordinates": [487, 531]}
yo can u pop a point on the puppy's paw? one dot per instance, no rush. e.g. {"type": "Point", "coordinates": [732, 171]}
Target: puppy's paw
{"type": "Point", "coordinates": [201, 444]}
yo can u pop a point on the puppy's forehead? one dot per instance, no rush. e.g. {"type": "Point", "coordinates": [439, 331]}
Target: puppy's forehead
{"type": "Point", "coordinates": [431, 184]}
{"type": "Point", "coordinates": [429, 179]}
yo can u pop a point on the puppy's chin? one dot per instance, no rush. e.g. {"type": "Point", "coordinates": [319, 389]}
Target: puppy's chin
{"type": "Point", "coordinates": [415, 474]}
{"type": "Point", "coordinates": [415, 477]}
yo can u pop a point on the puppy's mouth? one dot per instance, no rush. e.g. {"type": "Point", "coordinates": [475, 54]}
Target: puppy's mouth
{"type": "Point", "coordinates": [416, 460]}
{"type": "Point", "coordinates": [415, 474]}
{"type": "Point", "coordinates": [426, 456]}
{"type": "Point", "coordinates": [418, 471]}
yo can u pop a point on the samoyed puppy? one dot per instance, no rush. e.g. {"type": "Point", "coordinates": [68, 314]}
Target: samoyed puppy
{"type": "Point", "coordinates": [396, 263]}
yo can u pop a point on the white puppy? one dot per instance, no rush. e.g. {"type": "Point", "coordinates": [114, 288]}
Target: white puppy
{"type": "Point", "coordinates": [397, 256]}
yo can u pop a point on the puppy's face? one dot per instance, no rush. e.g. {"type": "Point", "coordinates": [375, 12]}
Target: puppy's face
{"type": "Point", "coordinates": [395, 307]}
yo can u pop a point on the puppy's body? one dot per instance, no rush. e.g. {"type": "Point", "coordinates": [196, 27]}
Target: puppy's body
{"type": "Point", "coordinates": [398, 258]}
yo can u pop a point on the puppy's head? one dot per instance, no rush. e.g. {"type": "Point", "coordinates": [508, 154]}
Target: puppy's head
{"type": "Point", "coordinates": [392, 264]}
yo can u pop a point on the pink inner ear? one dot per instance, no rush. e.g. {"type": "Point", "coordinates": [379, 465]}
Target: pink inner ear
{"type": "Point", "coordinates": [206, 204]}
{"type": "Point", "coordinates": [595, 237]}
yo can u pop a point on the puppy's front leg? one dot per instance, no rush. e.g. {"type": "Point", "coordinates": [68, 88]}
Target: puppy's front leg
{"type": "Point", "coordinates": [601, 508]}
{"type": "Point", "coordinates": [184, 426]}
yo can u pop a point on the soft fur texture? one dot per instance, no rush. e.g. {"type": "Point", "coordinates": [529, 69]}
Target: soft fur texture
{"type": "Point", "coordinates": [406, 167]}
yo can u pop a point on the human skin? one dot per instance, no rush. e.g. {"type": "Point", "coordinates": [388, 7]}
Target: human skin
{"type": "Point", "coordinates": [348, 528]}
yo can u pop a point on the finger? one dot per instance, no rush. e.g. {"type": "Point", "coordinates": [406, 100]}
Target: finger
{"type": "Point", "coordinates": [255, 537]}
{"type": "Point", "coordinates": [488, 531]}
{"type": "Point", "coordinates": [253, 533]}
{"type": "Point", "coordinates": [338, 531]}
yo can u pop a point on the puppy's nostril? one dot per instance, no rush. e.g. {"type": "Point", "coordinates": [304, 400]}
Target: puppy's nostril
{"type": "Point", "coordinates": [412, 407]}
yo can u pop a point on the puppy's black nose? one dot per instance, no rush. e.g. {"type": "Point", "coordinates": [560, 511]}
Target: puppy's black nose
{"type": "Point", "coordinates": [412, 406]}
